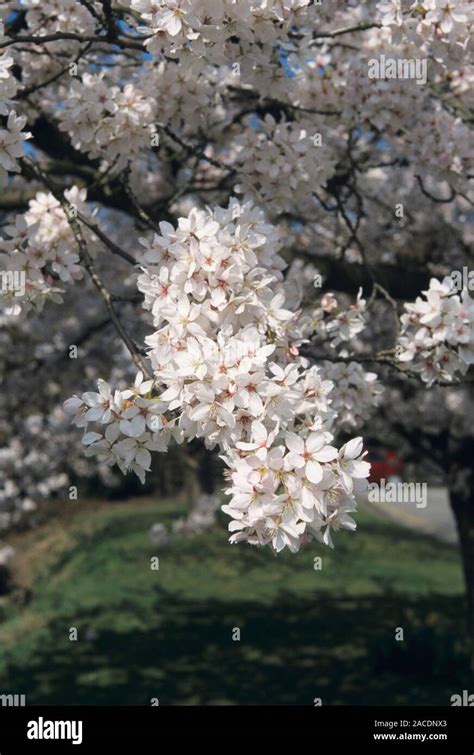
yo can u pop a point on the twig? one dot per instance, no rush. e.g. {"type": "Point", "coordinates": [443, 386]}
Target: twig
{"type": "Point", "coordinates": [64, 35]}
{"type": "Point", "coordinates": [105, 239]}
{"type": "Point", "coordinates": [89, 265]}
{"type": "Point", "coordinates": [36, 87]}
{"type": "Point", "coordinates": [439, 200]}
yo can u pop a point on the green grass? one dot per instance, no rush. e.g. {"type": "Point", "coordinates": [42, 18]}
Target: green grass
{"type": "Point", "coordinates": [168, 633]}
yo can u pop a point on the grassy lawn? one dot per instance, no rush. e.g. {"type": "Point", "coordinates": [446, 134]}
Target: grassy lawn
{"type": "Point", "coordinates": [305, 633]}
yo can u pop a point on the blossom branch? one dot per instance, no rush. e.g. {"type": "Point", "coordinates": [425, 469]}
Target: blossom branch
{"type": "Point", "coordinates": [89, 265]}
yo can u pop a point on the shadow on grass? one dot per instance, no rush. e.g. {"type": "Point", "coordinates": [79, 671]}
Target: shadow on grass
{"type": "Point", "coordinates": [292, 651]}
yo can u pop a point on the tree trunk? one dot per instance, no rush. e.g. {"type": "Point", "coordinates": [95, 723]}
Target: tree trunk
{"type": "Point", "coordinates": [191, 486]}
{"type": "Point", "coordinates": [462, 504]}
{"type": "Point", "coordinates": [207, 471]}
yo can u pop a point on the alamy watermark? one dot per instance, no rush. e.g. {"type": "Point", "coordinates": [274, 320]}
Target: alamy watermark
{"type": "Point", "coordinates": [399, 492]}
{"type": "Point", "coordinates": [463, 279]}
{"type": "Point", "coordinates": [12, 701]}
{"type": "Point", "coordinates": [13, 281]}
{"type": "Point", "coordinates": [45, 729]}
{"type": "Point", "coordinates": [464, 699]}
{"type": "Point", "coordinates": [398, 68]}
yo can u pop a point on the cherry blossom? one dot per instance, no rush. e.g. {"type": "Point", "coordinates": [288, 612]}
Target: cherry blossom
{"type": "Point", "coordinates": [437, 338]}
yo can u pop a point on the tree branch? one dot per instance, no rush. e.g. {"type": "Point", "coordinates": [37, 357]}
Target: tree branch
{"type": "Point", "coordinates": [89, 265]}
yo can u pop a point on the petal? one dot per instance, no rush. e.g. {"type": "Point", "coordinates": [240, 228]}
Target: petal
{"type": "Point", "coordinates": [353, 448]}
{"type": "Point", "coordinates": [314, 472]}
{"type": "Point", "coordinates": [71, 405]}
{"type": "Point", "coordinates": [89, 438]}
{"type": "Point", "coordinates": [143, 458]}
{"type": "Point", "coordinates": [199, 412]}
{"type": "Point", "coordinates": [360, 469]}
{"type": "Point", "coordinates": [328, 453]}
{"type": "Point", "coordinates": [294, 443]}
{"type": "Point", "coordinates": [112, 433]}
{"type": "Point", "coordinates": [138, 426]}
{"type": "Point", "coordinates": [295, 460]}
{"type": "Point", "coordinates": [315, 441]}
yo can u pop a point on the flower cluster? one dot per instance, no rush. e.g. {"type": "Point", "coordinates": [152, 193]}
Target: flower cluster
{"type": "Point", "coordinates": [282, 163]}
{"type": "Point", "coordinates": [355, 395]}
{"type": "Point", "coordinates": [32, 465]}
{"type": "Point", "coordinates": [205, 27]}
{"type": "Point", "coordinates": [299, 488]}
{"type": "Point", "coordinates": [11, 144]}
{"type": "Point", "coordinates": [8, 83]}
{"type": "Point", "coordinates": [49, 17]}
{"type": "Point", "coordinates": [185, 95]}
{"type": "Point", "coordinates": [112, 122]}
{"type": "Point", "coordinates": [437, 338]}
{"type": "Point", "coordinates": [334, 322]}
{"type": "Point", "coordinates": [41, 248]}
{"type": "Point", "coordinates": [444, 25]}
{"type": "Point", "coordinates": [438, 143]}
{"type": "Point", "coordinates": [270, 100]}
{"type": "Point", "coordinates": [441, 146]}
{"type": "Point", "coordinates": [59, 15]}
{"type": "Point", "coordinates": [12, 135]}
{"type": "Point", "coordinates": [128, 425]}
{"type": "Point", "coordinates": [226, 369]}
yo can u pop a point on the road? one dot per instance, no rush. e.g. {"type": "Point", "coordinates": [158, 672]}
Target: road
{"type": "Point", "coordinates": [435, 519]}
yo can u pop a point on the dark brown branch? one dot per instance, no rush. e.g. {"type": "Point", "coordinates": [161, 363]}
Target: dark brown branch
{"type": "Point", "coordinates": [64, 35]}
{"type": "Point", "coordinates": [105, 239]}
{"type": "Point", "coordinates": [439, 200]}
{"type": "Point", "coordinates": [30, 168]}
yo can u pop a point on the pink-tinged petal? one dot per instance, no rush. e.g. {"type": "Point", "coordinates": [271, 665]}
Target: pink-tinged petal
{"type": "Point", "coordinates": [205, 394]}
{"type": "Point", "coordinates": [295, 460]}
{"type": "Point", "coordinates": [259, 433]}
{"type": "Point", "coordinates": [254, 462]}
{"type": "Point", "coordinates": [171, 393]}
{"type": "Point", "coordinates": [328, 453]}
{"type": "Point", "coordinates": [360, 469]}
{"type": "Point", "coordinates": [166, 229]}
{"type": "Point", "coordinates": [446, 24]}
{"type": "Point", "coordinates": [199, 412]}
{"type": "Point", "coordinates": [315, 441]}
{"type": "Point", "coordinates": [327, 540]}
{"type": "Point", "coordinates": [348, 523]}
{"type": "Point", "coordinates": [294, 443]}
{"type": "Point", "coordinates": [106, 417]}
{"type": "Point", "coordinates": [138, 379]}
{"type": "Point", "coordinates": [234, 526]}
{"type": "Point", "coordinates": [347, 480]}
{"type": "Point", "coordinates": [255, 404]}
{"type": "Point", "coordinates": [246, 446]}
{"type": "Point", "coordinates": [353, 448]}
{"type": "Point", "coordinates": [226, 417]}
{"type": "Point", "coordinates": [104, 388]}
{"type": "Point", "coordinates": [314, 472]}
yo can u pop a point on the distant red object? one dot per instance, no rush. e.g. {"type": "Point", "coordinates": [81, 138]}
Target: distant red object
{"type": "Point", "coordinates": [385, 464]}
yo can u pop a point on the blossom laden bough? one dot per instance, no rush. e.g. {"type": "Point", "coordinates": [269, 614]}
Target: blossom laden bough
{"type": "Point", "coordinates": [223, 371]}
{"type": "Point", "coordinates": [146, 118]}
